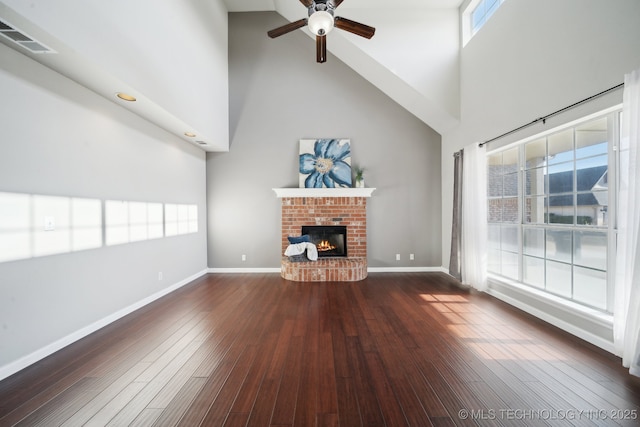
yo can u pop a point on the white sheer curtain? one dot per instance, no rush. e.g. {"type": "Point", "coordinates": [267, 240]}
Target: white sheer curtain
{"type": "Point", "coordinates": [474, 217]}
{"type": "Point", "coordinates": [627, 283]}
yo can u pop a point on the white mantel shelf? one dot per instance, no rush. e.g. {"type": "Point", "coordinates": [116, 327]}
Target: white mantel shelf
{"type": "Point", "coordinates": [323, 192]}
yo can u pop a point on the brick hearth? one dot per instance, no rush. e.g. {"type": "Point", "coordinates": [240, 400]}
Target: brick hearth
{"type": "Point", "coordinates": [326, 210]}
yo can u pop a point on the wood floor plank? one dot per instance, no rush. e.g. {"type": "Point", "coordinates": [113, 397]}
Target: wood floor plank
{"type": "Point", "coordinates": [284, 408]}
{"type": "Point", "coordinates": [306, 401]}
{"type": "Point", "coordinates": [389, 405]}
{"type": "Point", "coordinates": [368, 400]}
{"type": "Point", "coordinates": [147, 418]}
{"type": "Point", "coordinates": [175, 410]}
{"type": "Point", "coordinates": [225, 399]}
{"type": "Point", "coordinates": [111, 409]}
{"type": "Point", "coordinates": [61, 406]}
{"type": "Point", "coordinates": [254, 376]}
{"type": "Point", "coordinates": [203, 401]}
{"type": "Point", "coordinates": [394, 349]}
{"type": "Point", "coordinates": [84, 414]}
{"type": "Point", "coordinates": [262, 409]}
{"type": "Point", "coordinates": [349, 413]}
{"type": "Point", "coordinates": [327, 388]}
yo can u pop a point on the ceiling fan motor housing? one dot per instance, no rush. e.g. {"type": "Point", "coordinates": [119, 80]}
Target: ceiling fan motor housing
{"type": "Point", "coordinates": [321, 5]}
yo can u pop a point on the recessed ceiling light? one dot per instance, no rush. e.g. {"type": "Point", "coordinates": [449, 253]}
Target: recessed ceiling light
{"type": "Point", "coordinates": [190, 134]}
{"type": "Point", "coordinates": [125, 96]}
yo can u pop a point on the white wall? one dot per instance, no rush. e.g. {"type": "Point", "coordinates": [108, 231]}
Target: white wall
{"type": "Point", "coordinates": [531, 59]}
{"type": "Point", "coordinates": [57, 138]}
{"type": "Point", "coordinates": [279, 95]}
{"type": "Point", "coordinates": [154, 50]}
{"type": "Point", "coordinates": [421, 46]}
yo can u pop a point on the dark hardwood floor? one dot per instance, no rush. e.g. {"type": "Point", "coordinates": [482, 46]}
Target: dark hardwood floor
{"type": "Point", "coordinates": [392, 350]}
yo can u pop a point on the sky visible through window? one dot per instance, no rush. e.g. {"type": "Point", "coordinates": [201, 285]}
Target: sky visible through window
{"type": "Point", "coordinates": [590, 156]}
{"type": "Point", "coordinates": [483, 12]}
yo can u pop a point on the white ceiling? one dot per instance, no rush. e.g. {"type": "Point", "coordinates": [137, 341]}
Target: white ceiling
{"type": "Point", "coordinates": [114, 46]}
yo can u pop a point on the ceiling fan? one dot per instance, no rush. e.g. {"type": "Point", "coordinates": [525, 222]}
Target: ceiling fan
{"type": "Point", "coordinates": [322, 20]}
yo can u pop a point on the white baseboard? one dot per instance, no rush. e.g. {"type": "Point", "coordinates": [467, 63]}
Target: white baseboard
{"type": "Point", "coordinates": [370, 270]}
{"type": "Point", "coordinates": [17, 365]}
{"type": "Point", "coordinates": [407, 270]}
{"type": "Point", "coordinates": [245, 270]}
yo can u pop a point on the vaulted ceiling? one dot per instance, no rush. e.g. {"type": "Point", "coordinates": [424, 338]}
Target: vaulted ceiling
{"type": "Point", "coordinates": [167, 54]}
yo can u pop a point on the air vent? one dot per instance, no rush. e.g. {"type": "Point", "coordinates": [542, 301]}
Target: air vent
{"type": "Point", "coordinates": [20, 38]}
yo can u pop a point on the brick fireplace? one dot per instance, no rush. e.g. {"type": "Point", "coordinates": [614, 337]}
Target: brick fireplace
{"type": "Point", "coordinates": [332, 207]}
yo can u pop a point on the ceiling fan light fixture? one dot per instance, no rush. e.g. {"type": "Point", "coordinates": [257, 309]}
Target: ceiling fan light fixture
{"type": "Point", "coordinates": [320, 23]}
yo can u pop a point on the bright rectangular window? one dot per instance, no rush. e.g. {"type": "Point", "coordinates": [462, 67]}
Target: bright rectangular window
{"type": "Point", "coordinates": [476, 15]}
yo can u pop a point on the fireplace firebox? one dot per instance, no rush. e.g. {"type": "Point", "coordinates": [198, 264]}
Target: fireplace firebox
{"type": "Point", "coordinates": [331, 240]}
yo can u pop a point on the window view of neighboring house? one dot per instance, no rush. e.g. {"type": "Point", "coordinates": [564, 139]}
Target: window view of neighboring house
{"type": "Point", "coordinates": [548, 219]}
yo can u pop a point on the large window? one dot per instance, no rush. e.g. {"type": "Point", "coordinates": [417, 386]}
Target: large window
{"type": "Point", "coordinates": [548, 212]}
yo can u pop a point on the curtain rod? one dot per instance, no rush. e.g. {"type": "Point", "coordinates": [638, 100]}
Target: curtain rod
{"type": "Point", "coordinates": [544, 118]}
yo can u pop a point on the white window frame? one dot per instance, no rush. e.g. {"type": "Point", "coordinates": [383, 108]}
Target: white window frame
{"type": "Point", "coordinates": [613, 161]}
{"type": "Point", "coordinates": [467, 20]}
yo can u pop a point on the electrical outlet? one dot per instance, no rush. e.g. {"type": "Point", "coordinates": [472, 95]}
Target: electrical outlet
{"type": "Point", "coordinates": [244, 257]}
{"type": "Point", "coordinates": [397, 257]}
{"type": "Point", "coordinates": [412, 257]}
{"type": "Point", "coordinates": [160, 275]}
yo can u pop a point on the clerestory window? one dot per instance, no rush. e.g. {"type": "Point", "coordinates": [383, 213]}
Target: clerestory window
{"type": "Point", "coordinates": [476, 15]}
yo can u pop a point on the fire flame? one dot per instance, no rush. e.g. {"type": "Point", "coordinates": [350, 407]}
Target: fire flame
{"type": "Point", "coordinates": [324, 246]}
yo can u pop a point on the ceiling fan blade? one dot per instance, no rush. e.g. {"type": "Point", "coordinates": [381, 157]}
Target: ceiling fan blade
{"type": "Point", "coordinates": [307, 3]}
{"type": "Point", "coordinates": [336, 3]}
{"type": "Point", "coordinates": [354, 27]}
{"type": "Point", "coordinates": [321, 48]}
{"type": "Point", "coordinates": [277, 32]}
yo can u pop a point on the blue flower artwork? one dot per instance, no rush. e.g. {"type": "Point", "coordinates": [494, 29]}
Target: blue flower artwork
{"type": "Point", "coordinates": [325, 163]}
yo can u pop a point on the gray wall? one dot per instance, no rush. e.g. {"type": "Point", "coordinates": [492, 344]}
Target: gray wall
{"type": "Point", "coordinates": [57, 138]}
{"type": "Point", "coordinates": [278, 95]}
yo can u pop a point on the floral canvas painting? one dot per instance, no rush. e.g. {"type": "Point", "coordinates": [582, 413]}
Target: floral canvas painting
{"type": "Point", "coordinates": [325, 163]}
